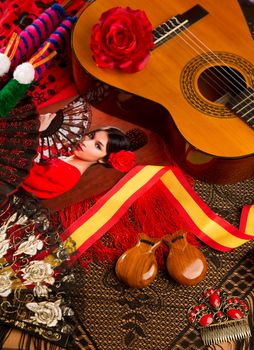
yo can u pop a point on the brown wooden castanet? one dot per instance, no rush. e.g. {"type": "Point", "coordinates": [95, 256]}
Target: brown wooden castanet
{"type": "Point", "coordinates": [137, 267]}
{"type": "Point", "coordinates": [185, 263]}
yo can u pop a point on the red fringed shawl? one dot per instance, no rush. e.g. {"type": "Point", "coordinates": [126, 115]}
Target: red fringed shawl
{"type": "Point", "coordinates": [151, 214]}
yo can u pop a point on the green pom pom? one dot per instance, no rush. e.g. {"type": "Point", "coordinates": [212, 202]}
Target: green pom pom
{"type": "Point", "coordinates": [10, 95]}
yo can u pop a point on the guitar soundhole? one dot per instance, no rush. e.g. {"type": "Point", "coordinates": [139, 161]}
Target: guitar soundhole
{"type": "Point", "coordinates": [208, 80]}
{"type": "Point", "coordinates": [219, 83]}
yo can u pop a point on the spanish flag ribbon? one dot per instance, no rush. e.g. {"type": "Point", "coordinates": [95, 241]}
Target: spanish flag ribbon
{"type": "Point", "coordinates": [210, 228]}
{"type": "Point", "coordinates": [108, 209]}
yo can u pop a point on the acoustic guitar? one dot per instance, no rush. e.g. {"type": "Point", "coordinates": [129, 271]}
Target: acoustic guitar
{"type": "Point", "coordinates": [201, 70]}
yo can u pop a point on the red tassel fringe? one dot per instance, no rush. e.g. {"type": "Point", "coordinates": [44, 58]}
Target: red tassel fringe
{"type": "Point", "coordinates": [151, 213]}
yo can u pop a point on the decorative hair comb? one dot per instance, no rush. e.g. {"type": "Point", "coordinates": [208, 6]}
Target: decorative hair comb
{"type": "Point", "coordinates": [137, 137]}
{"type": "Point", "coordinates": [220, 317]}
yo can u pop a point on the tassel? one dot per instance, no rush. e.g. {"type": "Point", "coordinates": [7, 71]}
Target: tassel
{"type": "Point", "coordinates": [4, 334]}
{"type": "Point", "coordinates": [12, 46]}
{"type": "Point", "coordinates": [25, 73]}
{"type": "Point", "coordinates": [74, 211]}
{"type": "Point", "coordinates": [22, 340]}
{"type": "Point", "coordinates": [157, 217]}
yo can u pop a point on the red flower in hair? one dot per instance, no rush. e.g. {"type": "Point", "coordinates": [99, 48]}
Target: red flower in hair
{"type": "Point", "coordinates": [122, 160]}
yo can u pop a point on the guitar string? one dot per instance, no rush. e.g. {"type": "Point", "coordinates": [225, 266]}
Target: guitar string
{"type": "Point", "coordinates": [204, 73]}
{"type": "Point", "coordinates": [206, 60]}
{"type": "Point", "coordinates": [217, 58]}
{"type": "Point", "coordinates": [207, 81]}
{"type": "Point", "coordinates": [216, 61]}
{"type": "Point", "coordinates": [214, 54]}
{"type": "Point", "coordinates": [247, 107]}
{"type": "Point", "coordinates": [214, 80]}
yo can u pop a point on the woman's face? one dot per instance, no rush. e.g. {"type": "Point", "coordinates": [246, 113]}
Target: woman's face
{"type": "Point", "coordinates": [92, 147]}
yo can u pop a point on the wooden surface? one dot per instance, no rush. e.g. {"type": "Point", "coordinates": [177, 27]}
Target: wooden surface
{"type": "Point", "coordinates": [224, 29]}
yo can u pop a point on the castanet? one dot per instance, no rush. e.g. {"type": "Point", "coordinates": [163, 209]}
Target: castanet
{"type": "Point", "coordinates": [185, 263]}
{"type": "Point", "coordinates": [137, 267]}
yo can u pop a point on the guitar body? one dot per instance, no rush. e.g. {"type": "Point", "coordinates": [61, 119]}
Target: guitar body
{"type": "Point", "coordinates": [176, 76]}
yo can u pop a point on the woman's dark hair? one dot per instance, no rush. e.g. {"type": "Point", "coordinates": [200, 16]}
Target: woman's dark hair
{"type": "Point", "coordinates": [117, 141]}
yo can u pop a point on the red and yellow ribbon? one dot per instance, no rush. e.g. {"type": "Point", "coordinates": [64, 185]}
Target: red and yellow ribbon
{"type": "Point", "coordinates": [204, 223]}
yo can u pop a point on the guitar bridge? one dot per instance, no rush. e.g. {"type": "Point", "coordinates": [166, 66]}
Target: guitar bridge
{"type": "Point", "coordinates": [177, 24]}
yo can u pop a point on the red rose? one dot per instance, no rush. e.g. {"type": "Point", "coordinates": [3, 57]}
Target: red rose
{"type": "Point", "coordinates": [122, 39]}
{"type": "Point", "coordinates": [122, 160]}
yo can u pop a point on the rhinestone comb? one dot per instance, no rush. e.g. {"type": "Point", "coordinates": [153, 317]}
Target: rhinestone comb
{"type": "Point", "coordinates": [220, 317]}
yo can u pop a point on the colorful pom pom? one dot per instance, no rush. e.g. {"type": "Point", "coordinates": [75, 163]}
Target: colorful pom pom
{"type": "Point", "coordinates": [5, 64]}
{"type": "Point", "coordinates": [24, 73]}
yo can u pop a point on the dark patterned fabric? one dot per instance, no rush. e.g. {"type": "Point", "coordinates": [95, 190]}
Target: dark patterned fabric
{"type": "Point", "coordinates": [18, 146]}
{"type": "Point", "coordinates": [35, 278]}
{"type": "Point", "coordinates": [155, 318]}
{"type": "Point", "coordinates": [26, 227]}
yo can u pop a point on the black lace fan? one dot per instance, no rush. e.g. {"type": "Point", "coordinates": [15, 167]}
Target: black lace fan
{"type": "Point", "coordinates": [18, 146]}
{"type": "Point", "coordinates": [65, 130]}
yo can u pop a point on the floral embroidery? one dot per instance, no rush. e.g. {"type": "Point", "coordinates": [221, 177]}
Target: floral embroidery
{"type": "Point", "coordinates": [38, 272]}
{"type": "Point", "coordinates": [47, 313]}
{"type": "Point", "coordinates": [41, 291]}
{"type": "Point", "coordinates": [4, 244]}
{"type": "Point", "coordinates": [5, 284]}
{"type": "Point", "coordinates": [30, 247]}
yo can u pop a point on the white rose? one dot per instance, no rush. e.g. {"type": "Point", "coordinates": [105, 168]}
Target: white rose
{"type": "Point", "coordinates": [47, 313]}
{"type": "Point", "coordinates": [5, 284]}
{"type": "Point", "coordinates": [37, 272]}
{"type": "Point", "coordinates": [30, 247]}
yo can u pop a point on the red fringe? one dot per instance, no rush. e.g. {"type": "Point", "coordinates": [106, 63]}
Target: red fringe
{"type": "Point", "coordinates": [151, 213]}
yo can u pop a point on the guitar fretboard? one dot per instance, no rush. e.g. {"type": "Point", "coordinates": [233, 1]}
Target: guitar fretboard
{"type": "Point", "coordinates": [243, 105]}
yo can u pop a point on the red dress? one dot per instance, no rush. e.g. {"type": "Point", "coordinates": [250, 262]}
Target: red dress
{"type": "Point", "coordinates": [50, 179]}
